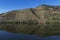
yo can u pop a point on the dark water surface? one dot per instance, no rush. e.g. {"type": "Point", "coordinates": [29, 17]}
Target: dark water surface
{"type": "Point", "coordinates": [11, 36]}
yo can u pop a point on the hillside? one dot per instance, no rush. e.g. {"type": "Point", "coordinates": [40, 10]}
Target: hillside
{"type": "Point", "coordinates": [42, 20]}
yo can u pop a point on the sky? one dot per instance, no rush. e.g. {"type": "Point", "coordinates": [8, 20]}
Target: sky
{"type": "Point", "coordinates": [8, 5]}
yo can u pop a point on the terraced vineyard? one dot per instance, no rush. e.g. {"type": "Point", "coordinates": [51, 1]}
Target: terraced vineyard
{"type": "Point", "coordinates": [42, 20]}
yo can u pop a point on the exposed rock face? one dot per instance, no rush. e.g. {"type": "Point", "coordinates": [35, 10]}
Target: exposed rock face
{"type": "Point", "coordinates": [42, 20]}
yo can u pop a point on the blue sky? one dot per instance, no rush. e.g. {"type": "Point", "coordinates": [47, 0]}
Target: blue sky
{"type": "Point", "coordinates": [7, 5]}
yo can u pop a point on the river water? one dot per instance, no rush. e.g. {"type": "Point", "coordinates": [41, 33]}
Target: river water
{"type": "Point", "coordinates": [13, 36]}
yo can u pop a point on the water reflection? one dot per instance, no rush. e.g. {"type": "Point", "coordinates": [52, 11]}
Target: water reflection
{"type": "Point", "coordinates": [11, 36]}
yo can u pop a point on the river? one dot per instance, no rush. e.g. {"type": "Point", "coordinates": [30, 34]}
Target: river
{"type": "Point", "coordinates": [13, 36]}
